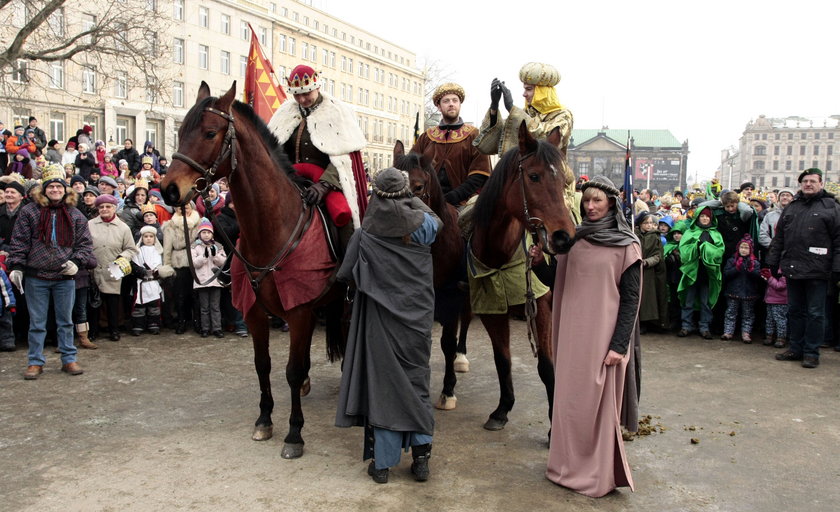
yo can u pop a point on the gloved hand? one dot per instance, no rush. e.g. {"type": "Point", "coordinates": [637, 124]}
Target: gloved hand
{"type": "Point", "coordinates": [495, 94]}
{"type": "Point", "coordinates": [16, 277]}
{"type": "Point", "coordinates": [206, 252]}
{"type": "Point", "coordinates": [13, 310]}
{"type": "Point", "coordinates": [508, 97]}
{"type": "Point", "coordinates": [705, 236]}
{"type": "Point", "coordinates": [765, 273]}
{"type": "Point", "coordinates": [124, 264]}
{"type": "Point", "coordinates": [213, 250]}
{"type": "Point", "coordinates": [315, 194]}
{"type": "Point", "coordinates": [69, 268]}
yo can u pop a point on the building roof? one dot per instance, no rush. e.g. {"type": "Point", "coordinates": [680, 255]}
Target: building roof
{"type": "Point", "coordinates": [641, 138]}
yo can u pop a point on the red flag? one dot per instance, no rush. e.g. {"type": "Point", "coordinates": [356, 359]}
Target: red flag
{"type": "Point", "coordinates": [262, 92]}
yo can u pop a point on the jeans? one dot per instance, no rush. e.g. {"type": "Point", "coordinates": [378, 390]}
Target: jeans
{"type": "Point", "coordinates": [80, 306]}
{"type": "Point", "coordinates": [697, 291]}
{"type": "Point", "coordinates": [388, 443]}
{"type": "Point", "coordinates": [806, 315]}
{"type": "Point", "coordinates": [211, 316]}
{"type": "Point", "coordinates": [38, 294]}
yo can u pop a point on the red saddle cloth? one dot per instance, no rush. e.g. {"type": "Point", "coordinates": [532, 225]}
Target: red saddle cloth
{"type": "Point", "coordinates": [301, 278]}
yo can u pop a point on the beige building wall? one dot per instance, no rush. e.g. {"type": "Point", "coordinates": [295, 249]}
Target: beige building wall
{"type": "Point", "coordinates": [209, 40]}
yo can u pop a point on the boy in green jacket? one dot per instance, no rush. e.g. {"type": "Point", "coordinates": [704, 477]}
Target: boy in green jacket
{"type": "Point", "coordinates": [701, 253]}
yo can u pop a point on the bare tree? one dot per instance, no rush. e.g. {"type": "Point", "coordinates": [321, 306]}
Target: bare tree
{"type": "Point", "coordinates": [115, 39]}
{"type": "Point", "coordinates": [434, 74]}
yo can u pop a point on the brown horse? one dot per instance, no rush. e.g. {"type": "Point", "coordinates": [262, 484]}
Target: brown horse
{"type": "Point", "coordinates": [525, 191]}
{"type": "Point", "coordinates": [221, 137]}
{"type": "Point", "coordinates": [452, 305]}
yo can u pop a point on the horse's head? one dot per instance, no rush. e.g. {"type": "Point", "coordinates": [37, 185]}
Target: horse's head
{"type": "Point", "coordinates": [420, 175]}
{"type": "Point", "coordinates": [543, 184]}
{"type": "Point", "coordinates": [205, 147]}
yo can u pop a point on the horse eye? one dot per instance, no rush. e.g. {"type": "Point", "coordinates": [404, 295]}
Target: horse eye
{"type": "Point", "coordinates": [211, 134]}
{"type": "Point", "coordinates": [534, 177]}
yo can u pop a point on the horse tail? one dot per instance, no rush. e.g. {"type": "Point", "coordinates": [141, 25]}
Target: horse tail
{"type": "Point", "coordinates": [337, 328]}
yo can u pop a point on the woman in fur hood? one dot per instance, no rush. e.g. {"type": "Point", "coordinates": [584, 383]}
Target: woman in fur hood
{"type": "Point", "coordinates": [175, 261]}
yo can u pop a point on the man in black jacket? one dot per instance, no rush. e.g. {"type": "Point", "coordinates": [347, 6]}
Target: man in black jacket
{"type": "Point", "coordinates": [807, 248]}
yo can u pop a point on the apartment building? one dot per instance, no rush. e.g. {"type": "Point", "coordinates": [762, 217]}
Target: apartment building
{"type": "Point", "coordinates": [208, 40]}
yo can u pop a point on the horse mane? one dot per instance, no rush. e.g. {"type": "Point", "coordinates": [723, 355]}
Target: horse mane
{"type": "Point", "coordinates": [506, 168]}
{"type": "Point", "coordinates": [414, 161]}
{"type": "Point", "coordinates": [192, 121]}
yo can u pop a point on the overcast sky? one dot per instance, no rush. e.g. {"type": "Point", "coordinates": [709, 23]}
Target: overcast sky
{"type": "Point", "coordinates": [699, 69]}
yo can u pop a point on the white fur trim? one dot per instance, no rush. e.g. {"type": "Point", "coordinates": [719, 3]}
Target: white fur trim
{"type": "Point", "coordinates": [334, 130]}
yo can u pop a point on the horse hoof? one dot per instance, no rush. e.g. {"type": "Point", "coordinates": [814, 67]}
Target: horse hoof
{"type": "Point", "coordinates": [263, 433]}
{"type": "Point", "coordinates": [461, 364]}
{"type": "Point", "coordinates": [306, 387]}
{"type": "Point", "coordinates": [494, 424]}
{"type": "Point", "coordinates": [292, 450]}
{"type": "Point", "coordinates": [446, 403]}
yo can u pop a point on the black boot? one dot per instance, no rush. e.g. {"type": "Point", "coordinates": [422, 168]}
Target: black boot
{"type": "Point", "coordinates": [379, 476]}
{"type": "Point", "coordinates": [420, 466]}
{"type": "Point", "coordinates": [180, 327]}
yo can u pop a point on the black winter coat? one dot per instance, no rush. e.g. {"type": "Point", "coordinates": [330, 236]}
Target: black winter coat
{"type": "Point", "coordinates": [807, 241]}
{"type": "Point", "coordinates": [742, 284]}
{"type": "Point", "coordinates": [131, 156]}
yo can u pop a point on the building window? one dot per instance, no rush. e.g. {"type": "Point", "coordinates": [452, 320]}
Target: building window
{"type": "Point", "coordinates": [295, 16]}
{"type": "Point", "coordinates": [801, 150]}
{"type": "Point", "coordinates": [788, 165]}
{"type": "Point", "coordinates": [313, 53]}
{"type": "Point", "coordinates": [284, 12]}
{"type": "Point", "coordinates": [790, 136]}
{"type": "Point", "coordinates": [816, 150]}
{"type": "Point", "coordinates": [777, 136]}
{"type": "Point", "coordinates": [292, 45]}
{"type": "Point", "coordinates": [151, 132]}
{"type": "Point", "coordinates": [56, 22]}
{"type": "Point", "coordinates": [831, 135]}
{"type": "Point", "coordinates": [121, 86]}
{"type": "Point", "coordinates": [775, 165]}
{"type": "Point", "coordinates": [203, 17]}
{"type": "Point", "coordinates": [243, 65]}
{"type": "Point", "coordinates": [306, 20]}
{"type": "Point", "coordinates": [763, 136]}
{"type": "Point", "coordinates": [760, 150]}
{"type": "Point", "coordinates": [776, 150]}
{"type": "Point", "coordinates": [225, 25]}
{"type": "Point", "coordinates": [774, 181]}
{"type": "Point", "coordinates": [759, 165]}
{"type": "Point", "coordinates": [817, 136]}
{"type": "Point", "coordinates": [151, 89]}
{"type": "Point", "coordinates": [89, 80]}
{"type": "Point", "coordinates": [803, 136]}
{"type": "Point", "coordinates": [20, 73]}
{"type": "Point", "coordinates": [757, 136]}
{"type": "Point", "coordinates": [177, 94]}
{"type": "Point", "coordinates": [151, 5]}
{"type": "Point", "coordinates": [272, 7]}
{"type": "Point", "coordinates": [350, 93]}
{"type": "Point", "coordinates": [325, 56]}
{"type": "Point", "coordinates": [814, 163]}
{"type": "Point", "coordinates": [57, 75]}
{"type": "Point", "coordinates": [802, 165]}
{"type": "Point", "coordinates": [583, 168]}
{"type": "Point", "coordinates": [178, 10]}
{"type": "Point", "coordinates": [203, 52]}
{"type": "Point", "coordinates": [828, 165]}
{"type": "Point", "coordinates": [243, 30]}
{"type": "Point", "coordinates": [178, 51]}
{"type": "Point", "coordinates": [123, 128]}
{"type": "Point", "coordinates": [224, 62]}
{"type": "Point", "coordinates": [789, 150]}
{"type": "Point", "coordinates": [263, 36]}
{"type": "Point", "coordinates": [57, 126]}
{"type": "Point", "coordinates": [332, 60]}
{"type": "Point", "coordinates": [829, 150]}
{"type": "Point", "coordinates": [787, 181]}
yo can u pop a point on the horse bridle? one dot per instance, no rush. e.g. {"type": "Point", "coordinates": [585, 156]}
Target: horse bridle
{"type": "Point", "coordinates": [207, 178]}
{"type": "Point", "coordinates": [535, 225]}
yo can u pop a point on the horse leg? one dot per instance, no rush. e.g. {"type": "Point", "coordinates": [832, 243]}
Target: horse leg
{"type": "Point", "coordinates": [499, 330]}
{"type": "Point", "coordinates": [545, 356]}
{"type": "Point", "coordinates": [257, 322]}
{"type": "Point", "coordinates": [448, 343]}
{"type": "Point", "coordinates": [301, 322]}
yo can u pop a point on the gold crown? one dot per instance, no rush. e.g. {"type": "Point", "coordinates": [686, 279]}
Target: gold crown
{"type": "Point", "coordinates": [148, 208]}
{"type": "Point", "coordinates": [53, 172]}
{"type": "Point", "coordinates": [303, 79]}
{"type": "Point", "coordinates": [141, 183]}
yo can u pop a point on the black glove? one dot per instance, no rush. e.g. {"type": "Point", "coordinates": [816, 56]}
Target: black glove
{"type": "Point", "coordinates": [705, 236]}
{"type": "Point", "coordinates": [213, 250]}
{"type": "Point", "coordinates": [206, 252]}
{"type": "Point", "coordinates": [315, 194]}
{"type": "Point", "coordinates": [495, 94]}
{"type": "Point", "coordinates": [508, 97]}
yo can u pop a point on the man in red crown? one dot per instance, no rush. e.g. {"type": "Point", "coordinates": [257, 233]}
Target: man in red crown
{"type": "Point", "coordinates": [319, 133]}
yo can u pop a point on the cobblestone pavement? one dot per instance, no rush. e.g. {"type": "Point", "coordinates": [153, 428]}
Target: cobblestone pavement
{"type": "Point", "coordinates": [164, 423]}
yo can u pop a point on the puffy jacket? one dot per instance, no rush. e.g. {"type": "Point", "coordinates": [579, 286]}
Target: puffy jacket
{"type": "Point", "coordinates": [807, 241]}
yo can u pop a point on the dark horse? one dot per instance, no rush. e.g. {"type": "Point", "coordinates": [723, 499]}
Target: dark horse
{"type": "Point", "coordinates": [525, 191]}
{"type": "Point", "coordinates": [451, 303]}
{"type": "Point", "coordinates": [215, 134]}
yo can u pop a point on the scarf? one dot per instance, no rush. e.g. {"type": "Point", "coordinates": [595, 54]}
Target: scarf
{"type": "Point", "coordinates": [55, 226]}
{"type": "Point", "coordinates": [545, 100]}
{"type": "Point", "coordinates": [17, 166]}
{"type": "Point", "coordinates": [610, 231]}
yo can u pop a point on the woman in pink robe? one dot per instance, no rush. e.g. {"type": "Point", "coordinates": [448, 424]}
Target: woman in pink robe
{"type": "Point", "coordinates": [596, 303]}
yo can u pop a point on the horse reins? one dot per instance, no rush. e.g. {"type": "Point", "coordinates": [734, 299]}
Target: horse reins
{"type": "Point", "coordinates": [530, 298]}
{"type": "Point", "coordinates": [208, 175]}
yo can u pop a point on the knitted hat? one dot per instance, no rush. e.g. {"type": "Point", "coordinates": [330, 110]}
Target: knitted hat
{"type": "Point", "coordinates": [148, 229]}
{"type": "Point", "coordinates": [108, 181]}
{"type": "Point", "coordinates": [53, 173]}
{"type": "Point", "coordinates": [77, 179]}
{"type": "Point", "coordinates": [156, 193]}
{"type": "Point", "coordinates": [448, 88]}
{"type": "Point", "coordinates": [747, 239]}
{"type": "Point", "coordinates": [786, 191]}
{"type": "Point", "coordinates": [123, 161]}
{"type": "Point", "coordinates": [812, 170]}
{"type": "Point", "coordinates": [537, 73]}
{"type": "Point", "coordinates": [602, 183]}
{"type": "Point", "coordinates": [146, 160]}
{"type": "Point", "coordinates": [71, 145]}
{"type": "Point", "coordinates": [83, 148]}
{"type": "Point", "coordinates": [302, 80]}
{"type": "Point", "coordinates": [204, 225]}
{"type": "Point", "coordinates": [91, 190]}
{"type": "Point", "coordinates": [87, 129]}
{"type": "Point", "coordinates": [107, 198]}
{"type": "Point", "coordinates": [148, 208]}
{"type": "Point", "coordinates": [16, 186]}
{"type": "Point", "coordinates": [393, 211]}
{"type": "Point", "coordinates": [391, 183]}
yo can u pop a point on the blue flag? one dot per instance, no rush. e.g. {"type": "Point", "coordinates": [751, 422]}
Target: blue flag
{"type": "Point", "coordinates": [628, 185]}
